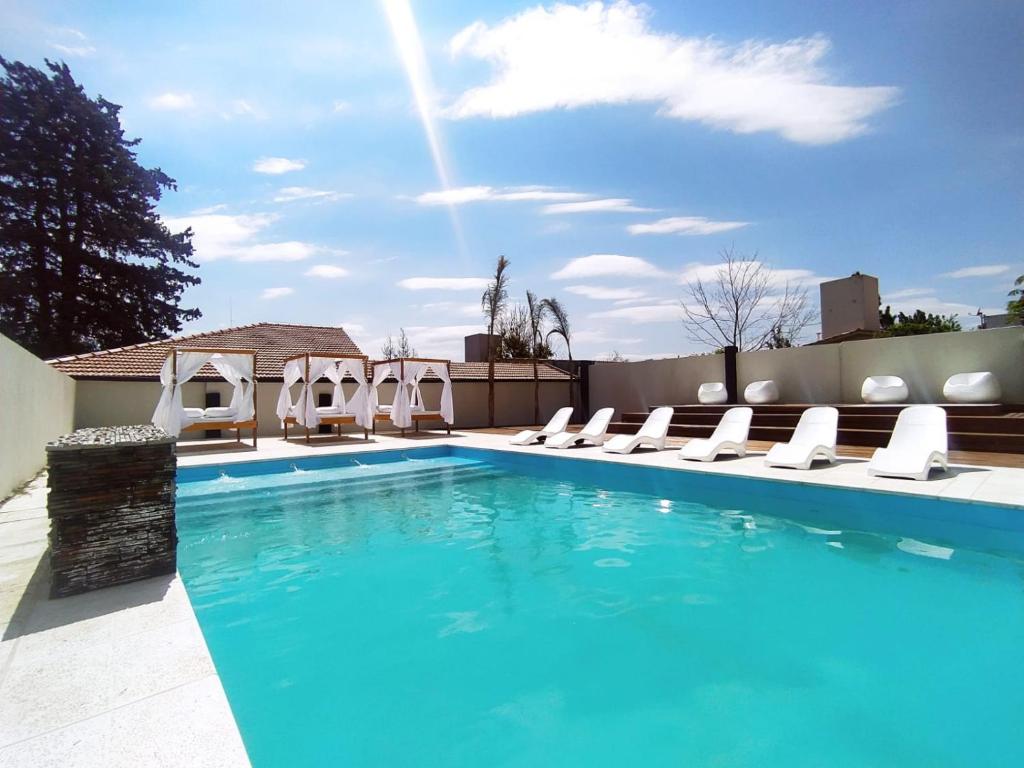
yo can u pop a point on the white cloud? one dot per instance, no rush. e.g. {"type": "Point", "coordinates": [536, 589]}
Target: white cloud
{"type": "Point", "coordinates": [443, 283]}
{"type": "Point", "coordinates": [243, 108]}
{"type": "Point", "coordinates": [600, 337]}
{"type": "Point", "coordinates": [607, 265]}
{"type": "Point", "coordinates": [669, 312]}
{"type": "Point", "coordinates": [604, 205]}
{"type": "Point", "coordinates": [685, 225]}
{"type": "Point", "coordinates": [340, 106]}
{"type": "Point", "coordinates": [353, 329]}
{"type": "Point", "coordinates": [606, 294]}
{"type": "Point", "coordinates": [290, 250]}
{"type": "Point", "coordinates": [294, 194]}
{"type": "Point", "coordinates": [982, 270]}
{"type": "Point", "coordinates": [441, 341]}
{"type": "Point", "coordinates": [453, 307]}
{"type": "Point", "coordinates": [277, 165]}
{"type": "Point", "coordinates": [172, 102]}
{"type": "Point", "coordinates": [934, 305]}
{"type": "Point", "coordinates": [276, 293]}
{"type": "Point", "coordinates": [907, 293]}
{"type": "Point", "coordinates": [476, 194]}
{"type": "Point", "coordinates": [71, 42]}
{"type": "Point", "coordinates": [329, 271]}
{"type": "Point", "coordinates": [777, 278]}
{"type": "Point", "coordinates": [223, 236]}
{"type": "Point", "coordinates": [566, 56]}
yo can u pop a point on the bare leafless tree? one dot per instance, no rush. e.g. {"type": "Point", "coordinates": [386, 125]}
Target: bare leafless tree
{"type": "Point", "coordinates": [742, 305]}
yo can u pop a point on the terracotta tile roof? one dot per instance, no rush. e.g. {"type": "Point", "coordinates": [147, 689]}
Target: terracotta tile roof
{"type": "Point", "coordinates": [273, 343]}
{"type": "Point", "coordinates": [506, 370]}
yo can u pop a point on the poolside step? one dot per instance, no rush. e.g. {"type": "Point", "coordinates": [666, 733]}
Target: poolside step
{"type": "Point", "coordinates": [217, 496]}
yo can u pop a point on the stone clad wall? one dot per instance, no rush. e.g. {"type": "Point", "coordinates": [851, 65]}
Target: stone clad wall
{"type": "Point", "coordinates": [111, 508]}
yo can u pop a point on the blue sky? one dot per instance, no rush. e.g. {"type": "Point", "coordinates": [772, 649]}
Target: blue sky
{"type": "Point", "coordinates": [609, 151]}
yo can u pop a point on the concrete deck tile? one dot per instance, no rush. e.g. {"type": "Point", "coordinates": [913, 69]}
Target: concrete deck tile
{"type": "Point", "coordinates": [106, 615]}
{"type": "Point", "coordinates": [91, 679]}
{"type": "Point", "coordinates": [32, 529]}
{"type": "Point", "coordinates": [180, 727]}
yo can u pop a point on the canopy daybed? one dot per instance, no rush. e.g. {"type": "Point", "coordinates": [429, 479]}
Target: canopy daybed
{"type": "Point", "coordinates": [311, 367]}
{"type": "Point", "coordinates": [407, 408]}
{"type": "Point", "coordinates": [237, 366]}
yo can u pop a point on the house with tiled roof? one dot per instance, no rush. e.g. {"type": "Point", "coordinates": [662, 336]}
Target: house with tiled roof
{"type": "Point", "coordinates": [121, 385]}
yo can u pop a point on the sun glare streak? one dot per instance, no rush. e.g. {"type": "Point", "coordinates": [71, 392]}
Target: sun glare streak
{"type": "Point", "coordinates": [410, 49]}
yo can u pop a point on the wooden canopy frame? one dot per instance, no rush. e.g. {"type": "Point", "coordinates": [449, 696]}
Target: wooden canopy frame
{"type": "Point", "coordinates": [416, 417]}
{"type": "Point", "coordinates": [238, 426]}
{"type": "Point", "coordinates": [333, 421]}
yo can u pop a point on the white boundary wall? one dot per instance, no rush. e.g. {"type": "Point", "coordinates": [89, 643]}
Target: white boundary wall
{"type": "Point", "coordinates": [38, 405]}
{"type": "Point", "coordinates": [823, 373]}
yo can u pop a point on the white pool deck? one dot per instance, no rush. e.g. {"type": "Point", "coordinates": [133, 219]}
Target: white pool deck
{"type": "Point", "coordinates": [123, 677]}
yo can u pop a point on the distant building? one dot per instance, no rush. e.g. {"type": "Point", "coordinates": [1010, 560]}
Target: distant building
{"type": "Point", "coordinates": [994, 321]}
{"type": "Point", "coordinates": [849, 307]}
{"type": "Point", "coordinates": [476, 348]}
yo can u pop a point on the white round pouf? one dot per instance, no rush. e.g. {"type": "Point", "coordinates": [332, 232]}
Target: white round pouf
{"type": "Point", "coordinates": [884, 389]}
{"type": "Point", "coordinates": [977, 387]}
{"type": "Point", "coordinates": [760, 392]}
{"type": "Point", "coordinates": [712, 393]}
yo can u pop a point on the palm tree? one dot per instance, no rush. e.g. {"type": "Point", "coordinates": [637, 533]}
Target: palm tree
{"type": "Point", "coordinates": [560, 327]}
{"type": "Point", "coordinates": [493, 304]}
{"type": "Point", "coordinates": [536, 312]}
{"type": "Point", "coordinates": [1016, 304]}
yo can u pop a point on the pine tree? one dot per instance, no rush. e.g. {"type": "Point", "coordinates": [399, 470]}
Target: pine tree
{"type": "Point", "coordinates": [85, 261]}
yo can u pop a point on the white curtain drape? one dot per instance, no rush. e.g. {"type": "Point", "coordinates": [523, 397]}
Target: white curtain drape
{"type": "Point", "coordinates": [335, 373]}
{"type": "Point", "coordinates": [416, 399]}
{"type": "Point", "coordinates": [359, 405]}
{"type": "Point", "coordinates": [307, 416]}
{"type": "Point", "coordinates": [169, 413]}
{"type": "Point", "coordinates": [401, 410]}
{"type": "Point", "coordinates": [293, 371]}
{"type": "Point", "coordinates": [237, 371]}
{"type": "Point", "coordinates": [380, 372]}
{"type": "Point", "coordinates": [447, 400]}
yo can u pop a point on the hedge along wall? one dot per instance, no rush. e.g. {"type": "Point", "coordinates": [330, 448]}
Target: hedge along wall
{"type": "Point", "coordinates": [38, 405]}
{"type": "Point", "coordinates": [823, 373]}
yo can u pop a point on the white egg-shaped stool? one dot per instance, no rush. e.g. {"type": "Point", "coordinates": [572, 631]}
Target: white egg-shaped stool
{"type": "Point", "coordinates": [884, 389]}
{"type": "Point", "coordinates": [761, 392]}
{"type": "Point", "coordinates": [976, 387]}
{"type": "Point", "coordinates": [712, 393]}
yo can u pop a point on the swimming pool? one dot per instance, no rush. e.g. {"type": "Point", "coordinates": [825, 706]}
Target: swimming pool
{"type": "Point", "coordinates": [454, 606]}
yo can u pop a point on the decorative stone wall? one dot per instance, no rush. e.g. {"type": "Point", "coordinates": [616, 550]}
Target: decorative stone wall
{"type": "Point", "coordinates": [111, 507]}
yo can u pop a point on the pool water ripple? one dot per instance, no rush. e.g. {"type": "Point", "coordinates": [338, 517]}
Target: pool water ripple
{"type": "Point", "coordinates": [448, 611]}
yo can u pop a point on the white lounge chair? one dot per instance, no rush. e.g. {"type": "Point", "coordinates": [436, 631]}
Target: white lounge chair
{"type": "Point", "coordinates": [759, 392]}
{"type": "Point", "coordinates": [918, 441]}
{"type": "Point", "coordinates": [712, 393]}
{"type": "Point", "coordinates": [557, 424]}
{"type": "Point", "coordinates": [813, 438]}
{"type": "Point", "coordinates": [595, 432]}
{"type": "Point", "coordinates": [652, 433]}
{"type": "Point", "coordinates": [730, 435]}
{"type": "Point", "coordinates": [977, 387]}
{"type": "Point", "coordinates": [884, 389]}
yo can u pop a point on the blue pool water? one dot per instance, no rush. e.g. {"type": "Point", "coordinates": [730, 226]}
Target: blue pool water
{"type": "Point", "coordinates": [463, 607]}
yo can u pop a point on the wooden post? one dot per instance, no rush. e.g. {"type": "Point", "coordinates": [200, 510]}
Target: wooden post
{"type": "Point", "coordinates": [255, 414]}
{"type": "Point", "coordinates": [730, 375]}
{"type": "Point", "coordinates": [306, 392]}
